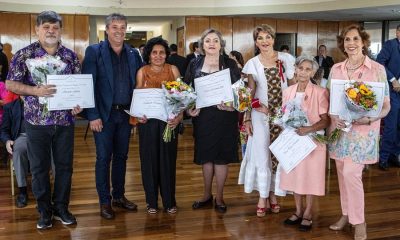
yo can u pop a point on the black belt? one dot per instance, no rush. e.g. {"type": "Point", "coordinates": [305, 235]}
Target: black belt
{"type": "Point", "coordinates": [120, 107]}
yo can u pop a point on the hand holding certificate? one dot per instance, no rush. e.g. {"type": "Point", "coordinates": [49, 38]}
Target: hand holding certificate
{"type": "Point", "coordinates": [213, 89]}
{"type": "Point", "coordinates": [72, 90]}
{"type": "Point", "coordinates": [149, 102]}
{"type": "Point", "coordinates": [290, 149]}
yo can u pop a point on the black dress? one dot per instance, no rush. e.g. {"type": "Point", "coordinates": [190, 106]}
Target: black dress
{"type": "Point", "coordinates": [215, 132]}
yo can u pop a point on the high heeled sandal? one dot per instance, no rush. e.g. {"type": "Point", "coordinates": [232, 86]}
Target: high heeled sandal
{"type": "Point", "coordinates": [261, 211]}
{"type": "Point", "coordinates": [339, 225]}
{"type": "Point", "coordinates": [275, 208]}
{"type": "Point", "coordinates": [289, 221]}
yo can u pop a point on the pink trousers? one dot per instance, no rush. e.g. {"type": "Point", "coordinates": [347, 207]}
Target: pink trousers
{"type": "Point", "coordinates": [351, 190]}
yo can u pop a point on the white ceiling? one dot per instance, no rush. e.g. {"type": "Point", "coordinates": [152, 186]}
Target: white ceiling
{"type": "Point", "coordinates": [147, 14]}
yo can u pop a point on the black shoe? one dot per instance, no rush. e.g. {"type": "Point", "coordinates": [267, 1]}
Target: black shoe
{"type": "Point", "coordinates": [305, 228]}
{"type": "Point", "coordinates": [220, 208]}
{"type": "Point", "coordinates": [107, 212]}
{"type": "Point", "coordinates": [384, 166]}
{"type": "Point", "coordinates": [288, 221]}
{"type": "Point", "coordinates": [64, 216]}
{"type": "Point", "coordinates": [124, 203]}
{"type": "Point", "coordinates": [21, 201]}
{"type": "Point", "coordinates": [45, 220]}
{"type": "Point", "coordinates": [199, 204]}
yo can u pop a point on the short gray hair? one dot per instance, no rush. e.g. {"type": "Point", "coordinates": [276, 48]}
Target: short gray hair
{"type": "Point", "coordinates": [48, 17]}
{"type": "Point", "coordinates": [204, 35]}
{"type": "Point", "coordinates": [115, 17]}
{"type": "Point", "coordinates": [305, 58]}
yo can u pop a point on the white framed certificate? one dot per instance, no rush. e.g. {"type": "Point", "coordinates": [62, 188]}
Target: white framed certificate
{"type": "Point", "coordinates": [213, 89]}
{"type": "Point", "coordinates": [290, 149]}
{"type": "Point", "coordinates": [72, 90]}
{"type": "Point", "coordinates": [337, 97]}
{"type": "Point", "coordinates": [150, 102]}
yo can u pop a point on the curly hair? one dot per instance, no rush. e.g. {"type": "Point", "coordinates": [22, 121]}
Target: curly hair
{"type": "Point", "coordinates": [149, 47]}
{"type": "Point", "coordinates": [361, 31]}
{"type": "Point", "coordinates": [238, 57]}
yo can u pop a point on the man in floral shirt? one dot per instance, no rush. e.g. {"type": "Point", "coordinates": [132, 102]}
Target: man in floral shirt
{"type": "Point", "coordinates": [50, 133]}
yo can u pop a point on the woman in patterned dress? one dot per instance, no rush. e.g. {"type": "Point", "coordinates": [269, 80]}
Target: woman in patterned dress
{"type": "Point", "coordinates": [268, 74]}
{"type": "Point", "coordinates": [359, 146]}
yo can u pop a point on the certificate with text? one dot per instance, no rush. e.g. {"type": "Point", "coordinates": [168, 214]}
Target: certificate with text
{"type": "Point", "coordinates": [149, 102]}
{"type": "Point", "coordinates": [72, 90]}
{"type": "Point", "coordinates": [213, 89]}
{"type": "Point", "coordinates": [290, 149]}
{"type": "Point", "coordinates": [337, 97]}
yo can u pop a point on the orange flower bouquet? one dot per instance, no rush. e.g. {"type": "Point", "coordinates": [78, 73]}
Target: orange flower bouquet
{"type": "Point", "coordinates": [241, 96]}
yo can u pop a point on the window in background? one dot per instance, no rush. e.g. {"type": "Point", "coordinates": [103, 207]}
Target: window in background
{"type": "Point", "coordinates": [392, 28]}
{"type": "Point", "coordinates": [375, 31]}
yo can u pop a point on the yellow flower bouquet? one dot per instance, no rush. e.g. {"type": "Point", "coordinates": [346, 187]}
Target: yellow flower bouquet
{"type": "Point", "coordinates": [180, 97]}
{"type": "Point", "coordinates": [360, 97]}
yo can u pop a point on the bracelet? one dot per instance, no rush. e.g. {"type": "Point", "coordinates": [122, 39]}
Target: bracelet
{"type": "Point", "coordinates": [247, 120]}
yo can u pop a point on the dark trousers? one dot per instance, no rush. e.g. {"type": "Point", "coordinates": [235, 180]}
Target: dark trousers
{"type": "Point", "coordinates": [43, 142]}
{"type": "Point", "coordinates": [112, 143]}
{"type": "Point", "coordinates": [390, 142]}
{"type": "Point", "coordinates": [158, 163]}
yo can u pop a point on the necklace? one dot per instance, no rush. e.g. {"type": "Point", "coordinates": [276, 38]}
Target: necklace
{"type": "Point", "coordinates": [156, 69]}
{"type": "Point", "coordinates": [357, 66]}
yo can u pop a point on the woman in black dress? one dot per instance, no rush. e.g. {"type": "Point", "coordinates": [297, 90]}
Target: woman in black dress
{"type": "Point", "coordinates": [215, 128]}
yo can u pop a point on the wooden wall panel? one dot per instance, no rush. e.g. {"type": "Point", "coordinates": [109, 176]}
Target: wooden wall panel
{"type": "Point", "coordinates": [195, 26]}
{"type": "Point", "coordinates": [269, 21]}
{"type": "Point", "coordinates": [15, 35]}
{"type": "Point", "coordinates": [68, 31]}
{"type": "Point", "coordinates": [81, 35]}
{"type": "Point", "coordinates": [243, 37]}
{"type": "Point", "coordinates": [344, 24]}
{"type": "Point", "coordinates": [307, 40]}
{"type": "Point", "coordinates": [224, 25]}
{"type": "Point", "coordinates": [327, 33]}
{"type": "Point", "coordinates": [286, 26]}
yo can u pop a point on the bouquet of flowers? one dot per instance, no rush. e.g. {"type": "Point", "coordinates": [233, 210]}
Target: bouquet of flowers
{"type": "Point", "coordinates": [40, 68]}
{"type": "Point", "coordinates": [241, 96]}
{"type": "Point", "coordinates": [180, 96]}
{"type": "Point", "coordinates": [291, 115]}
{"type": "Point", "coordinates": [359, 97]}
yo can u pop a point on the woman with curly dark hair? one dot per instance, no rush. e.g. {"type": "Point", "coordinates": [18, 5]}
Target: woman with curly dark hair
{"type": "Point", "coordinates": [158, 158]}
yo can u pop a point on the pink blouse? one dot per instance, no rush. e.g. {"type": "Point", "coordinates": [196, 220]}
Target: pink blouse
{"type": "Point", "coordinates": [361, 143]}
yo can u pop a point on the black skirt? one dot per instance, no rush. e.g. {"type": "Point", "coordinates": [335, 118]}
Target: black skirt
{"type": "Point", "coordinates": [216, 136]}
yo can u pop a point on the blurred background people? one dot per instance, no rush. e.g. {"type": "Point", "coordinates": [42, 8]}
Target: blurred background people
{"type": "Point", "coordinates": [307, 179]}
{"type": "Point", "coordinates": [389, 57]}
{"type": "Point", "coordinates": [268, 74]}
{"type": "Point", "coordinates": [157, 158]}
{"type": "Point", "coordinates": [176, 60]}
{"type": "Point", "coordinates": [324, 61]}
{"type": "Point", "coordinates": [358, 147]}
{"type": "Point", "coordinates": [196, 52]}
{"type": "Point", "coordinates": [215, 128]}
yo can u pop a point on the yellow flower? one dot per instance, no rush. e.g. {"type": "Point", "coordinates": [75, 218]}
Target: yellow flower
{"type": "Point", "coordinates": [352, 93]}
{"type": "Point", "coordinates": [364, 90]}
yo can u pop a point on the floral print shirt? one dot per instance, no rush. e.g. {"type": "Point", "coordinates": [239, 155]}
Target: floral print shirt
{"type": "Point", "coordinates": [361, 143]}
{"type": "Point", "coordinates": [19, 72]}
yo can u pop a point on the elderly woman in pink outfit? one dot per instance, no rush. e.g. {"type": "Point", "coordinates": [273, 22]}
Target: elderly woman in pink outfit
{"type": "Point", "coordinates": [308, 178]}
{"type": "Point", "coordinates": [360, 145]}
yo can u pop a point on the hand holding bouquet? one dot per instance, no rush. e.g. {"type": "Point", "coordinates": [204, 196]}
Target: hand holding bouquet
{"type": "Point", "coordinates": [180, 96]}
{"type": "Point", "coordinates": [241, 96]}
{"type": "Point", "coordinates": [40, 68]}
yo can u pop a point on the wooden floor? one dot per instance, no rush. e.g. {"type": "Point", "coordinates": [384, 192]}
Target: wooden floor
{"type": "Point", "coordinates": [240, 222]}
